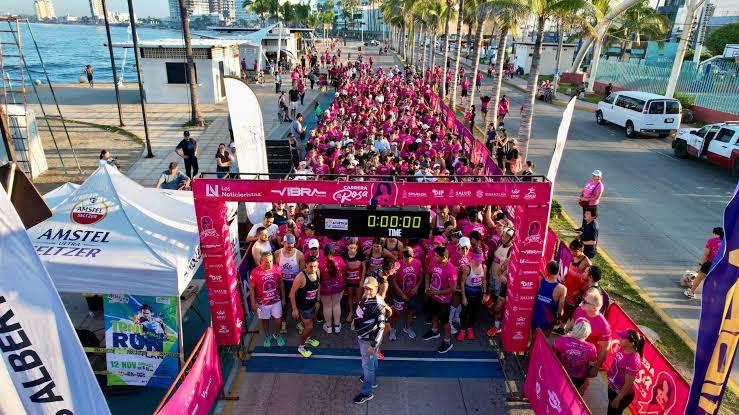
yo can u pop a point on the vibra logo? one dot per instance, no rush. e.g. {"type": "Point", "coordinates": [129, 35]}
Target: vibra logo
{"type": "Point", "coordinates": [212, 190]}
{"type": "Point", "coordinates": [299, 192]}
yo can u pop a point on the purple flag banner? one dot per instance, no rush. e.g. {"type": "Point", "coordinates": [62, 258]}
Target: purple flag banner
{"type": "Point", "coordinates": [718, 332]}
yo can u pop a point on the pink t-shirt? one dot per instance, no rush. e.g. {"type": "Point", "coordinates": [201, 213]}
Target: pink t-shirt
{"type": "Point", "coordinates": [442, 277]}
{"type": "Point", "coordinates": [601, 330]}
{"type": "Point", "coordinates": [623, 364]}
{"type": "Point", "coordinates": [575, 355]}
{"type": "Point", "coordinates": [591, 188]}
{"type": "Point", "coordinates": [713, 246]}
{"type": "Point", "coordinates": [469, 227]}
{"type": "Point", "coordinates": [408, 275]}
{"type": "Point", "coordinates": [331, 283]}
{"type": "Point", "coordinates": [267, 284]}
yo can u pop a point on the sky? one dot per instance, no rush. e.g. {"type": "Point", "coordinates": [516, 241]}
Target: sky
{"type": "Point", "coordinates": [157, 8]}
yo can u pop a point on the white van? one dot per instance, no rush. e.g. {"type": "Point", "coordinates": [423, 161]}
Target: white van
{"type": "Point", "coordinates": [640, 112]}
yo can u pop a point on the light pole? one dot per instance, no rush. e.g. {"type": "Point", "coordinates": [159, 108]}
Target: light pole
{"type": "Point", "coordinates": [112, 64]}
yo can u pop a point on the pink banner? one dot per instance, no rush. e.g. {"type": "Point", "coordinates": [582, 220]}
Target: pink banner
{"type": "Point", "coordinates": [659, 388]}
{"type": "Point", "coordinates": [547, 386]}
{"type": "Point", "coordinates": [523, 275]}
{"type": "Point", "coordinates": [373, 193]}
{"type": "Point", "coordinates": [197, 393]}
{"type": "Point", "coordinates": [221, 278]}
{"type": "Point", "coordinates": [564, 258]}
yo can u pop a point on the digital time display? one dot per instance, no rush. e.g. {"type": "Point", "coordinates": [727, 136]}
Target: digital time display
{"type": "Point", "coordinates": [362, 221]}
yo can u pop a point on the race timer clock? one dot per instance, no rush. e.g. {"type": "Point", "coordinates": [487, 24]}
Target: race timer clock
{"type": "Point", "coordinates": [363, 221]}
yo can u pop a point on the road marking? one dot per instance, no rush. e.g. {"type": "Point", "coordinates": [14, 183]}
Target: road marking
{"type": "Point", "coordinates": [411, 359]}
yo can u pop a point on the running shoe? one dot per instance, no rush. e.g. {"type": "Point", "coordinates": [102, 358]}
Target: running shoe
{"type": "Point", "coordinates": [362, 398]}
{"type": "Point", "coordinates": [431, 335]}
{"type": "Point", "coordinates": [461, 335]}
{"type": "Point", "coordinates": [300, 327]}
{"type": "Point", "coordinates": [454, 329]}
{"type": "Point", "coordinates": [283, 328]}
{"type": "Point", "coordinates": [361, 380]}
{"type": "Point", "coordinates": [268, 341]}
{"type": "Point", "coordinates": [327, 328]}
{"type": "Point", "coordinates": [337, 328]}
{"type": "Point", "coordinates": [492, 332]}
{"type": "Point", "coordinates": [392, 335]}
{"type": "Point", "coordinates": [410, 332]}
{"type": "Point", "coordinates": [312, 342]}
{"type": "Point", "coordinates": [380, 355]}
{"type": "Point", "coordinates": [688, 293]}
{"type": "Point", "coordinates": [470, 334]}
{"type": "Point", "coordinates": [445, 346]}
{"type": "Point", "coordinates": [304, 352]}
{"type": "Point", "coordinates": [280, 340]}
{"type": "Point", "coordinates": [319, 317]}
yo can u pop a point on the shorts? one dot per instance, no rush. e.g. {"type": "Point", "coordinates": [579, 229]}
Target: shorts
{"type": "Point", "coordinates": [464, 92]}
{"type": "Point", "coordinates": [265, 312]}
{"type": "Point", "coordinates": [442, 310]}
{"type": "Point", "coordinates": [706, 266]}
{"type": "Point", "coordinates": [499, 288]}
{"type": "Point", "coordinates": [352, 284]}
{"type": "Point", "coordinates": [288, 286]}
{"type": "Point", "coordinates": [308, 313]}
{"type": "Point", "coordinates": [294, 105]}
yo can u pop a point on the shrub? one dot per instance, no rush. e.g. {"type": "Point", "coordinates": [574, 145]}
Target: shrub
{"type": "Point", "coordinates": [686, 101]}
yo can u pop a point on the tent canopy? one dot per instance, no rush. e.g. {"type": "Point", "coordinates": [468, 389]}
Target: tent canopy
{"type": "Point", "coordinates": [55, 197]}
{"type": "Point", "coordinates": [113, 236]}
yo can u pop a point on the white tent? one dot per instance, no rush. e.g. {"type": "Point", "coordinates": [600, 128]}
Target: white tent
{"type": "Point", "coordinates": [56, 376]}
{"type": "Point", "coordinates": [113, 236]}
{"type": "Point", "coordinates": [55, 197]}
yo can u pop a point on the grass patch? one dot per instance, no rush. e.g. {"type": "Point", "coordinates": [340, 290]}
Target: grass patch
{"type": "Point", "coordinates": [628, 298]}
{"type": "Point", "coordinates": [189, 124]}
{"type": "Point", "coordinates": [109, 128]}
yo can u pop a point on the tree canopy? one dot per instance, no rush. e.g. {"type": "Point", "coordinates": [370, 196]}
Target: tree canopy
{"type": "Point", "coordinates": [722, 36]}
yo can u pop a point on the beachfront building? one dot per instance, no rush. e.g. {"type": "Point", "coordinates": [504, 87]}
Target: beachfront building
{"type": "Point", "coordinates": [193, 7]}
{"type": "Point", "coordinates": [165, 74]}
{"type": "Point", "coordinates": [44, 9]}
{"type": "Point", "coordinates": [96, 9]}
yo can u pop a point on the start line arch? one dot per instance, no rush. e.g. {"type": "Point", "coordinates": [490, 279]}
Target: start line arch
{"type": "Point", "coordinates": [527, 204]}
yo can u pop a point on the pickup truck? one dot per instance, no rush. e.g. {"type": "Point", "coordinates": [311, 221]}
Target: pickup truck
{"type": "Point", "coordinates": [717, 143]}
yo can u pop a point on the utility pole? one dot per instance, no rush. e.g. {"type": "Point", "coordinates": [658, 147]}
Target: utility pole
{"type": "Point", "coordinates": [112, 64]}
{"type": "Point", "coordinates": [691, 9]}
{"type": "Point", "coordinates": [196, 117]}
{"type": "Point", "coordinates": [132, 18]}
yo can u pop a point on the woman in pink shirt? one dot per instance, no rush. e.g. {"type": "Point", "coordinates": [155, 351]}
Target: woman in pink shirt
{"type": "Point", "coordinates": [591, 193]}
{"type": "Point", "coordinates": [331, 270]}
{"type": "Point", "coordinates": [576, 355]}
{"type": "Point", "coordinates": [624, 368]}
{"type": "Point", "coordinates": [709, 255]}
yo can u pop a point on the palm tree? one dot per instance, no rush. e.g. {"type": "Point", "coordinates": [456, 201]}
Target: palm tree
{"type": "Point", "coordinates": [542, 11]}
{"type": "Point", "coordinates": [260, 7]}
{"type": "Point", "coordinates": [481, 12]}
{"type": "Point", "coordinates": [448, 16]}
{"type": "Point", "coordinates": [435, 11]}
{"type": "Point", "coordinates": [196, 118]}
{"type": "Point", "coordinates": [460, 13]}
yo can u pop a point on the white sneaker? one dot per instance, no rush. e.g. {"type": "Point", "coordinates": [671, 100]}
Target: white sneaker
{"type": "Point", "coordinates": [327, 328]}
{"type": "Point", "coordinates": [454, 329]}
{"type": "Point", "coordinates": [410, 332]}
{"type": "Point", "coordinates": [392, 335]}
{"type": "Point", "coordinates": [337, 328]}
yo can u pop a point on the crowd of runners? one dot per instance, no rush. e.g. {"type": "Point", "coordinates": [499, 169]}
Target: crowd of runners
{"type": "Point", "coordinates": [381, 123]}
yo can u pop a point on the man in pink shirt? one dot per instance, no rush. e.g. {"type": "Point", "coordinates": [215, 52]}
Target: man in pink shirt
{"type": "Point", "coordinates": [441, 281]}
{"type": "Point", "coordinates": [267, 297]}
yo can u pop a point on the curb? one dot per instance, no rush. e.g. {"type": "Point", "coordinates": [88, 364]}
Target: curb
{"type": "Point", "coordinates": [666, 318]}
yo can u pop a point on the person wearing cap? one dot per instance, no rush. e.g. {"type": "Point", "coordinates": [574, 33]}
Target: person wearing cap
{"type": "Point", "coordinates": [188, 150]}
{"type": "Point", "coordinates": [600, 335]}
{"type": "Point", "coordinates": [304, 296]}
{"type": "Point", "coordinates": [267, 297]}
{"type": "Point", "coordinates": [302, 171]}
{"type": "Point", "coordinates": [550, 300]}
{"type": "Point", "coordinates": [576, 355]}
{"type": "Point", "coordinates": [290, 261]}
{"type": "Point", "coordinates": [369, 324]}
{"type": "Point", "coordinates": [591, 193]}
{"type": "Point", "coordinates": [626, 365]}
{"type": "Point", "coordinates": [440, 283]}
{"type": "Point", "coordinates": [472, 279]}
{"type": "Point", "coordinates": [173, 179]}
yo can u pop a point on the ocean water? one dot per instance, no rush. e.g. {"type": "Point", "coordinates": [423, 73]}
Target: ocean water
{"type": "Point", "coordinates": [67, 49]}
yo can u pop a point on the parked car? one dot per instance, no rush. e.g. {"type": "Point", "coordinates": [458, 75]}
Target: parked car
{"type": "Point", "coordinates": [640, 112]}
{"type": "Point", "coordinates": [717, 143]}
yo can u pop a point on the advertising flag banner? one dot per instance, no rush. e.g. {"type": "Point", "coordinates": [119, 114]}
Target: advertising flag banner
{"type": "Point", "coordinates": [44, 370]}
{"type": "Point", "coordinates": [718, 332]}
{"type": "Point", "coordinates": [659, 389]}
{"type": "Point", "coordinates": [135, 325]}
{"type": "Point", "coordinates": [564, 258]}
{"type": "Point", "coordinates": [197, 393]}
{"type": "Point", "coordinates": [559, 146]}
{"type": "Point", "coordinates": [548, 387]}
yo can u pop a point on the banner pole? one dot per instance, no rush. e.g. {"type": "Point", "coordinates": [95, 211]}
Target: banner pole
{"type": "Point", "coordinates": [180, 339]}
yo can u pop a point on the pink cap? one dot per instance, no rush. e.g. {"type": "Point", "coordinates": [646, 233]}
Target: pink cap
{"type": "Point", "coordinates": [439, 240]}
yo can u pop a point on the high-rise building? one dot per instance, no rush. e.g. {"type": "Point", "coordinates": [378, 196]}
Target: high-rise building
{"type": "Point", "coordinates": [44, 9]}
{"type": "Point", "coordinates": [228, 10]}
{"type": "Point", "coordinates": [96, 9]}
{"type": "Point", "coordinates": [192, 7]}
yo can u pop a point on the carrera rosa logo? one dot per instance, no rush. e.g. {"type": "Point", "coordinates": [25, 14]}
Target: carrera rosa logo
{"type": "Point", "coordinates": [89, 211]}
{"type": "Point", "coordinates": [351, 194]}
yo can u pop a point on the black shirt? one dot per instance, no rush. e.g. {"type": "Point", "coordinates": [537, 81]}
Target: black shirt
{"type": "Point", "coordinates": [224, 158]}
{"type": "Point", "coordinates": [512, 154]}
{"type": "Point", "coordinates": [590, 233]}
{"type": "Point", "coordinates": [187, 147]}
{"type": "Point", "coordinates": [294, 95]}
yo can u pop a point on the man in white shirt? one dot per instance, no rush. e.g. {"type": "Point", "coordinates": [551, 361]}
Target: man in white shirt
{"type": "Point", "coordinates": [268, 223]}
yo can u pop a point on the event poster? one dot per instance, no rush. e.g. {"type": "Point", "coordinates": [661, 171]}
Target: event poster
{"type": "Point", "coordinates": [135, 325]}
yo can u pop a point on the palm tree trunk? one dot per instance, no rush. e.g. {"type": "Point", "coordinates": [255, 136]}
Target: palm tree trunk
{"type": "Point", "coordinates": [478, 45]}
{"type": "Point", "coordinates": [459, 52]}
{"type": "Point", "coordinates": [432, 51]}
{"type": "Point", "coordinates": [524, 130]}
{"type": "Point", "coordinates": [560, 42]}
{"type": "Point", "coordinates": [498, 76]}
{"type": "Point", "coordinates": [584, 48]}
{"type": "Point", "coordinates": [446, 49]}
{"type": "Point", "coordinates": [593, 70]}
{"type": "Point", "coordinates": [196, 116]}
{"type": "Point", "coordinates": [424, 61]}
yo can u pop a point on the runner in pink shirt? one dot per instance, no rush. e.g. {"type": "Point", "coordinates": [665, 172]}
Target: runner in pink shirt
{"type": "Point", "coordinates": [441, 281]}
{"type": "Point", "coordinates": [405, 284]}
{"type": "Point", "coordinates": [709, 256]}
{"type": "Point", "coordinates": [267, 297]}
{"type": "Point", "coordinates": [576, 355]}
{"type": "Point", "coordinates": [624, 369]}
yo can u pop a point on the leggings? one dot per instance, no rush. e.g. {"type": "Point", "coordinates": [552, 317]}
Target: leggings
{"type": "Point", "coordinates": [332, 308]}
{"type": "Point", "coordinates": [622, 405]}
{"type": "Point", "coordinates": [468, 318]}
